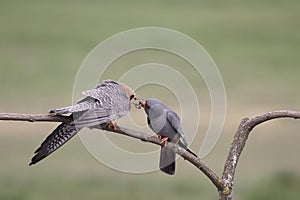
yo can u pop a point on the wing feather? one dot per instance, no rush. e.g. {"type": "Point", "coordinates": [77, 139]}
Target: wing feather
{"type": "Point", "coordinates": [175, 122]}
{"type": "Point", "coordinates": [111, 103]}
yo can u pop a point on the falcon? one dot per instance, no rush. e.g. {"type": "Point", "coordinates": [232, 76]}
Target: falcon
{"type": "Point", "coordinates": [166, 124]}
{"type": "Point", "coordinates": [102, 105]}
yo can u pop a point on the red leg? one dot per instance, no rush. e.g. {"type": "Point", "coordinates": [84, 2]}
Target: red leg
{"type": "Point", "coordinates": [112, 125]}
{"type": "Point", "coordinates": [163, 140]}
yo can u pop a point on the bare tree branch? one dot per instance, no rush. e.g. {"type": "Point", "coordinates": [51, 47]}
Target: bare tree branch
{"type": "Point", "coordinates": [34, 117]}
{"type": "Point", "coordinates": [124, 131]}
{"type": "Point", "coordinates": [239, 142]}
{"type": "Point", "coordinates": [224, 185]}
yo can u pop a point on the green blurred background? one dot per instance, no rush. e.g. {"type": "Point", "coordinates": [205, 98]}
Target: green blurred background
{"type": "Point", "coordinates": [256, 45]}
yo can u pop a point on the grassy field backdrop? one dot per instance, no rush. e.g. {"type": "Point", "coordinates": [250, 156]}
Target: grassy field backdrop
{"type": "Point", "coordinates": [256, 45]}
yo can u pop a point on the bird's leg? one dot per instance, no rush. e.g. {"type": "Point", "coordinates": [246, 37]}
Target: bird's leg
{"type": "Point", "coordinates": [163, 140]}
{"type": "Point", "coordinates": [112, 124]}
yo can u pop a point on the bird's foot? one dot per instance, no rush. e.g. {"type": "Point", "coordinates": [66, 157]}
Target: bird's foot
{"type": "Point", "coordinates": [163, 140]}
{"type": "Point", "coordinates": [112, 125]}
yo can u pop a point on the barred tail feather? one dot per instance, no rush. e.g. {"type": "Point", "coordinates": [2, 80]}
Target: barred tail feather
{"type": "Point", "coordinates": [63, 133]}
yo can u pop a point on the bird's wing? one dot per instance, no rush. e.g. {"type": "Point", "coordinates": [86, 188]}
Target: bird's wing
{"type": "Point", "coordinates": [174, 120]}
{"type": "Point", "coordinates": [111, 103]}
{"type": "Point", "coordinates": [101, 92]}
{"type": "Point", "coordinates": [106, 102]}
{"type": "Point", "coordinates": [107, 87]}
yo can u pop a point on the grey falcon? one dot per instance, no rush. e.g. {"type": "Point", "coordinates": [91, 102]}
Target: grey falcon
{"type": "Point", "coordinates": [167, 125]}
{"type": "Point", "coordinates": [102, 105]}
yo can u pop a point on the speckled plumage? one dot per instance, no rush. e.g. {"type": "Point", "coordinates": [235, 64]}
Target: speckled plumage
{"type": "Point", "coordinates": [107, 102]}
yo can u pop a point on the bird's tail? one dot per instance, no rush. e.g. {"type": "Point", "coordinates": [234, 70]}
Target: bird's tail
{"type": "Point", "coordinates": [56, 139]}
{"type": "Point", "coordinates": [167, 160]}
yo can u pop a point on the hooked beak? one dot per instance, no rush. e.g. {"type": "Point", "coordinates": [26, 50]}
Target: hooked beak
{"type": "Point", "coordinates": [143, 104]}
{"type": "Point", "coordinates": [140, 103]}
{"type": "Point", "coordinates": [132, 97]}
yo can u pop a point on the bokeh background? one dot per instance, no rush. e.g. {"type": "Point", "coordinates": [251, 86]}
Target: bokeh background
{"type": "Point", "coordinates": [256, 45]}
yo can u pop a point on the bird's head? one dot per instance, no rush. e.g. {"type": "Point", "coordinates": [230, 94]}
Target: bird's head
{"type": "Point", "coordinates": [152, 106]}
{"type": "Point", "coordinates": [129, 92]}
